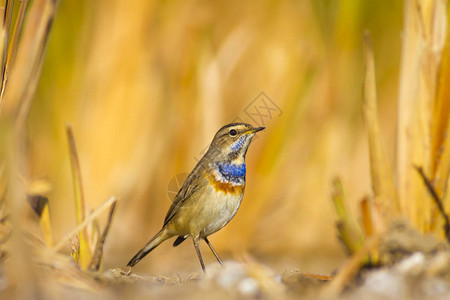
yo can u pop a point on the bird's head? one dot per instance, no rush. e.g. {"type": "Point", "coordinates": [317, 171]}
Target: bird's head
{"type": "Point", "coordinates": [231, 141]}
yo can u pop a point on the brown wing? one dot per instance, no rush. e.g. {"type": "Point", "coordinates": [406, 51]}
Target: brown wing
{"type": "Point", "coordinates": [194, 183]}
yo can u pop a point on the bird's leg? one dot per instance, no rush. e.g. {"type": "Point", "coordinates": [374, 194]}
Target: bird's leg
{"type": "Point", "coordinates": [214, 251]}
{"type": "Point", "coordinates": [196, 240]}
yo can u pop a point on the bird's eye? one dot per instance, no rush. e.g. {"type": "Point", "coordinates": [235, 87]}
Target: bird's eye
{"type": "Point", "coordinates": [233, 132]}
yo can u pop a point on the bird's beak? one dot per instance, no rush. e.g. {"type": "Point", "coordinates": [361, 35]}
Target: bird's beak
{"type": "Point", "coordinates": [255, 130]}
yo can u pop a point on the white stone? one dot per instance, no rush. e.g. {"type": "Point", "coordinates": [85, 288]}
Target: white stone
{"type": "Point", "coordinates": [248, 286]}
{"type": "Point", "coordinates": [385, 283]}
{"type": "Point", "coordinates": [412, 265]}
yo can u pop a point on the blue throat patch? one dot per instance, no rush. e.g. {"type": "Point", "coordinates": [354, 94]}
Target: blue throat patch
{"type": "Point", "coordinates": [236, 146]}
{"type": "Point", "coordinates": [232, 172]}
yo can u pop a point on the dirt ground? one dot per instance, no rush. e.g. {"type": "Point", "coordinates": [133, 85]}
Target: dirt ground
{"type": "Point", "coordinates": [411, 266]}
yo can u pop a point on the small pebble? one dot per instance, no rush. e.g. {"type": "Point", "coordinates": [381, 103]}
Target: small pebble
{"type": "Point", "coordinates": [385, 283]}
{"type": "Point", "coordinates": [412, 265]}
{"type": "Point", "coordinates": [248, 286]}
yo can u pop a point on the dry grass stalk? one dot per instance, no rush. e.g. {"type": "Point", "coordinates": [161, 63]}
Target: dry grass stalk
{"type": "Point", "coordinates": [424, 32]}
{"type": "Point", "coordinates": [97, 257]}
{"type": "Point", "coordinates": [350, 269]}
{"type": "Point", "coordinates": [84, 255]}
{"type": "Point", "coordinates": [407, 139]}
{"type": "Point", "coordinates": [366, 217]}
{"type": "Point", "coordinates": [8, 12]}
{"type": "Point", "coordinates": [437, 201]}
{"type": "Point", "coordinates": [14, 106]}
{"type": "Point", "coordinates": [418, 119]}
{"type": "Point", "coordinates": [348, 231]}
{"type": "Point", "coordinates": [17, 95]}
{"type": "Point", "coordinates": [88, 220]}
{"type": "Point", "coordinates": [440, 147]}
{"type": "Point", "coordinates": [381, 172]}
{"type": "Point", "coordinates": [12, 49]}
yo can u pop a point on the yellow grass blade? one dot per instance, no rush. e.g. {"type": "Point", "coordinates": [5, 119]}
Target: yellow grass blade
{"type": "Point", "coordinates": [348, 231]}
{"type": "Point", "coordinates": [85, 253]}
{"type": "Point", "coordinates": [381, 172]}
{"type": "Point", "coordinates": [440, 141]}
{"type": "Point", "coordinates": [46, 225]}
{"type": "Point", "coordinates": [409, 89]}
{"type": "Point", "coordinates": [12, 49]}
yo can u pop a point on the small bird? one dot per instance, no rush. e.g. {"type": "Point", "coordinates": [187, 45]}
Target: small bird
{"type": "Point", "coordinates": [211, 194]}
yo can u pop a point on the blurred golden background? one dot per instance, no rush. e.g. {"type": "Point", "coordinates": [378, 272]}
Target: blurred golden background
{"type": "Point", "coordinates": [146, 84]}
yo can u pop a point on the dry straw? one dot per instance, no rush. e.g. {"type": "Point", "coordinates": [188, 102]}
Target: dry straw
{"type": "Point", "coordinates": [422, 137]}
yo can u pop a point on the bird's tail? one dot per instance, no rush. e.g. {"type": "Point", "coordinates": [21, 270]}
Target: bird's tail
{"type": "Point", "coordinates": [160, 237]}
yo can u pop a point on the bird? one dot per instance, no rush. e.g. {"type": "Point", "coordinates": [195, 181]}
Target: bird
{"type": "Point", "coordinates": [211, 194]}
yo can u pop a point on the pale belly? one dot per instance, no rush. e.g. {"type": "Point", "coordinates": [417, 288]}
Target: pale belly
{"type": "Point", "coordinates": [207, 214]}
